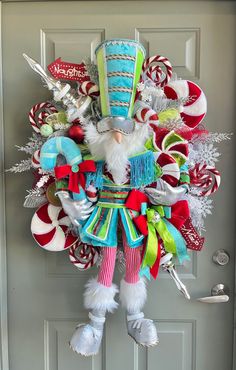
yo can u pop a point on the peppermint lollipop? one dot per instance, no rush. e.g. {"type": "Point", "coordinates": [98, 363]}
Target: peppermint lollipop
{"type": "Point", "coordinates": [83, 256]}
{"type": "Point", "coordinates": [206, 178]}
{"type": "Point", "coordinates": [155, 72]}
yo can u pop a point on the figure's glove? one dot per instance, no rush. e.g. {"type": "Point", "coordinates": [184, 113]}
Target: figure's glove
{"type": "Point", "coordinates": [164, 194]}
{"type": "Point", "coordinates": [77, 210]}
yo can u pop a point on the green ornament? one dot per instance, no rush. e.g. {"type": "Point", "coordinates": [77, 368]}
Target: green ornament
{"type": "Point", "coordinates": [46, 130]}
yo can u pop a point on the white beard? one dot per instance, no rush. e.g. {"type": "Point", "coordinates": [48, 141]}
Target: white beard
{"type": "Point", "coordinates": [105, 147]}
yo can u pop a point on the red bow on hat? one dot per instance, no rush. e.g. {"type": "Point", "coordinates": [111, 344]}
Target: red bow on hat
{"type": "Point", "coordinates": [75, 173]}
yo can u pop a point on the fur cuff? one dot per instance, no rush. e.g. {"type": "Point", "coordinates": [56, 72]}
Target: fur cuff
{"type": "Point", "coordinates": [99, 297]}
{"type": "Point", "coordinates": [133, 296]}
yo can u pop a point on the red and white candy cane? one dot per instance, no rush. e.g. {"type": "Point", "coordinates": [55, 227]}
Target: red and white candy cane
{"type": "Point", "coordinates": [38, 113]}
{"type": "Point", "coordinates": [149, 70]}
{"type": "Point", "coordinates": [146, 115]}
{"type": "Point", "coordinates": [89, 88]}
{"type": "Point", "coordinates": [194, 109]}
{"type": "Point", "coordinates": [36, 159]}
{"type": "Point", "coordinates": [169, 167]}
{"type": "Point", "coordinates": [205, 177]}
{"type": "Point", "coordinates": [83, 256]}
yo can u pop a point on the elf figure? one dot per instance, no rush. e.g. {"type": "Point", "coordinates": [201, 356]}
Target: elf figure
{"type": "Point", "coordinates": [120, 190]}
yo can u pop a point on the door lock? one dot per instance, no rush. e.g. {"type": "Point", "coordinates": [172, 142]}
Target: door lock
{"type": "Point", "coordinates": [221, 257]}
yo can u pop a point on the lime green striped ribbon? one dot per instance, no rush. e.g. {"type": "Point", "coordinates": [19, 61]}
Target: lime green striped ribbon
{"type": "Point", "coordinates": [156, 225]}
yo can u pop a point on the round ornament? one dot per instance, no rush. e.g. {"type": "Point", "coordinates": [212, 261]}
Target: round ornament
{"type": "Point", "coordinates": [46, 130]}
{"type": "Point", "coordinates": [51, 197]}
{"type": "Point", "coordinates": [76, 133]}
{"type": "Point", "coordinates": [50, 228]}
{"type": "Point", "coordinates": [83, 256]}
{"type": "Point", "coordinates": [194, 109]}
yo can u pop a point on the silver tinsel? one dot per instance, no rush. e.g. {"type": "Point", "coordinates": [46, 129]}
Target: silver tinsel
{"type": "Point", "coordinates": [22, 166]}
{"type": "Point", "coordinates": [35, 198]}
{"type": "Point", "coordinates": [35, 142]}
{"type": "Point", "coordinates": [92, 70]}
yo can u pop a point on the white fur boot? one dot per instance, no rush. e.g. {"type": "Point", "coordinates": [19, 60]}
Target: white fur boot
{"type": "Point", "coordinates": [87, 338]}
{"type": "Point", "coordinates": [133, 298]}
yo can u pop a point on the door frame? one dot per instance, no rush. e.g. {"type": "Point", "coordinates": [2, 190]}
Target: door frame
{"type": "Point", "coordinates": [4, 358]}
{"type": "Point", "coordinates": [4, 350]}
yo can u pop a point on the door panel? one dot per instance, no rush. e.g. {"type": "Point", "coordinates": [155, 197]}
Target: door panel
{"type": "Point", "coordinates": [44, 289]}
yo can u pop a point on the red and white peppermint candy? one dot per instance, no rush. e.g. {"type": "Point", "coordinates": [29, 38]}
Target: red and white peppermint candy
{"type": "Point", "coordinates": [195, 108]}
{"type": "Point", "coordinates": [83, 256]}
{"type": "Point", "coordinates": [38, 114]}
{"type": "Point", "coordinates": [36, 159]}
{"type": "Point", "coordinates": [154, 73]}
{"type": "Point", "coordinates": [171, 143]}
{"type": "Point", "coordinates": [146, 115]}
{"type": "Point", "coordinates": [169, 167]}
{"type": "Point", "coordinates": [50, 228]}
{"type": "Point", "coordinates": [89, 88]}
{"type": "Point", "coordinates": [205, 177]}
{"type": "Point", "coordinates": [149, 70]}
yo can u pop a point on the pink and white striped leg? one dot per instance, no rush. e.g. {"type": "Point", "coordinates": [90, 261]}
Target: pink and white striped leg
{"type": "Point", "coordinates": [106, 272]}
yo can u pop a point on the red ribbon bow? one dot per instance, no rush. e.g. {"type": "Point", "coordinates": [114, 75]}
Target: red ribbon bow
{"type": "Point", "coordinates": [75, 173]}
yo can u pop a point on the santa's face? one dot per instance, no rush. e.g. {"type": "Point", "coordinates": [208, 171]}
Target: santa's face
{"type": "Point", "coordinates": [115, 148]}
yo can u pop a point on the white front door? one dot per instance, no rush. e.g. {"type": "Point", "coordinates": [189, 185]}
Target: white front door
{"type": "Point", "coordinates": [44, 289]}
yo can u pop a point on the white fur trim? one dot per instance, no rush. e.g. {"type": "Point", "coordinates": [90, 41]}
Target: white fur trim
{"type": "Point", "coordinates": [133, 296]}
{"type": "Point", "coordinates": [99, 297]}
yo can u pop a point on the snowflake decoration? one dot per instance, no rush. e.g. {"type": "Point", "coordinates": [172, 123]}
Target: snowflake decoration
{"type": "Point", "coordinates": [203, 153]}
{"type": "Point", "coordinates": [199, 208]}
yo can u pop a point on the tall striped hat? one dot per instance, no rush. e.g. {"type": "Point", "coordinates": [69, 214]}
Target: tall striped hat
{"type": "Point", "coordinates": [119, 67]}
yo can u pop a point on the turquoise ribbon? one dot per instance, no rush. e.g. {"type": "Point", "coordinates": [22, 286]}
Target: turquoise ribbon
{"type": "Point", "coordinates": [181, 247]}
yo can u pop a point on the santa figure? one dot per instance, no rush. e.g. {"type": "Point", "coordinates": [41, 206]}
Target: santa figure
{"type": "Point", "coordinates": [125, 169]}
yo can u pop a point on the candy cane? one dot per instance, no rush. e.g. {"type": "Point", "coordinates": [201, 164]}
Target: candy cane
{"type": "Point", "coordinates": [205, 177]}
{"type": "Point", "coordinates": [169, 167]}
{"type": "Point", "coordinates": [144, 115]}
{"type": "Point", "coordinates": [61, 145]}
{"type": "Point", "coordinates": [36, 116]}
{"type": "Point", "coordinates": [194, 109]}
{"type": "Point", "coordinates": [83, 256]}
{"type": "Point", "coordinates": [89, 88]}
{"type": "Point", "coordinates": [149, 70]}
{"type": "Point", "coordinates": [36, 159]}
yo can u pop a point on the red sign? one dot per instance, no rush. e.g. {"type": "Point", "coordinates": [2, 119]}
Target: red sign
{"type": "Point", "coordinates": [68, 71]}
{"type": "Point", "coordinates": [192, 238]}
